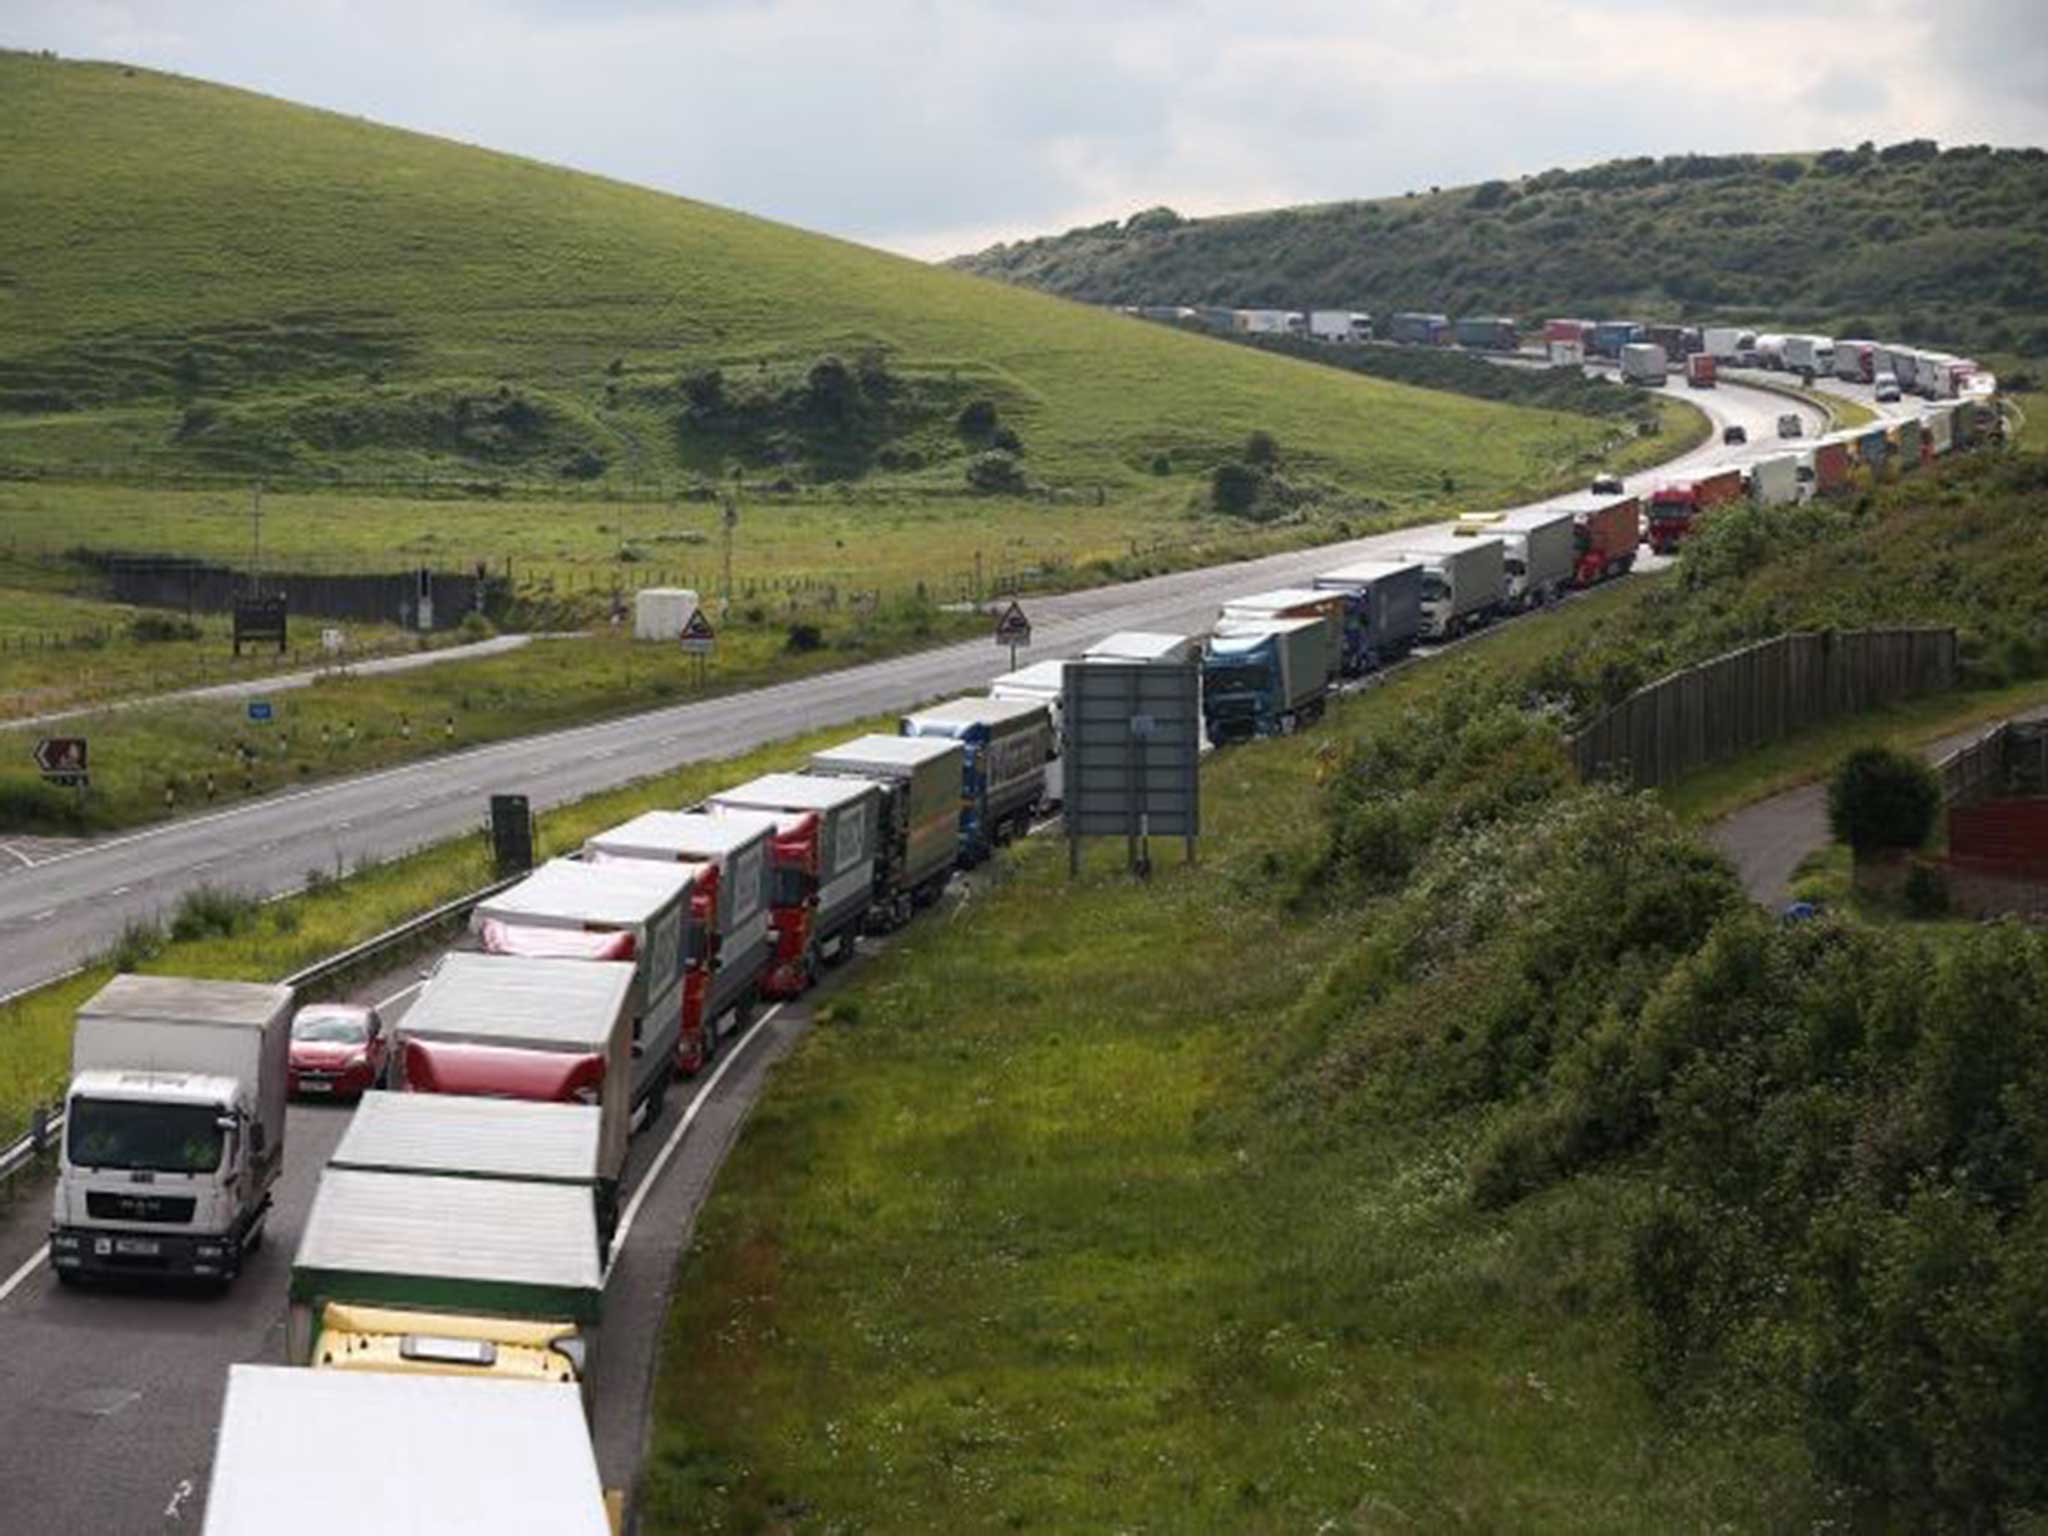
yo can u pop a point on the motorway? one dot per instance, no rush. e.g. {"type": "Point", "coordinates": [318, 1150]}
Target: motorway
{"type": "Point", "coordinates": [108, 1400]}
{"type": "Point", "coordinates": [56, 911]}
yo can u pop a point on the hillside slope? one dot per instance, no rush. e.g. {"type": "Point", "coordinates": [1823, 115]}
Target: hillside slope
{"type": "Point", "coordinates": [197, 278]}
{"type": "Point", "coordinates": [1941, 246]}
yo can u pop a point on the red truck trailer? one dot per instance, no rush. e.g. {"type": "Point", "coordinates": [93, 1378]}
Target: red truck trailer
{"type": "Point", "coordinates": [1700, 370]}
{"type": "Point", "coordinates": [1830, 466]}
{"type": "Point", "coordinates": [1675, 504]}
{"type": "Point", "coordinates": [1606, 534]}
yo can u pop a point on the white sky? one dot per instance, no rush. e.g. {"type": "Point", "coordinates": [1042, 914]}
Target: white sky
{"type": "Point", "coordinates": [937, 126]}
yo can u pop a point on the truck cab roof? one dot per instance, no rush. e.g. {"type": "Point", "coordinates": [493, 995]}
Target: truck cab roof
{"type": "Point", "coordinates": [185, 999]}
{"type": "Point", "coordinates": [157, 1087]}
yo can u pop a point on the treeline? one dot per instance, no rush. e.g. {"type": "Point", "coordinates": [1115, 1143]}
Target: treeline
{"type": "Point", "coordinates": [1944, 247]}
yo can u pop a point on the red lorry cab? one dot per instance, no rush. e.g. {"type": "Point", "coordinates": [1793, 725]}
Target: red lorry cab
{"type": "Point", "coordinates": [1674, 506]}
{"type": "Point", "coordinates": [793, 902]}
{"type": "Point", "coordinates": [1605, 537]}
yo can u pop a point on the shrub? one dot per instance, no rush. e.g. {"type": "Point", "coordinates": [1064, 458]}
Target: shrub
{"type": "Point", "coordinates": [977, 419]}
{"type": "Point", "coordinates": [1234, 488]}
{"type": "Point", "coordinates": [804, 637]}
{"type": "Point", "coordinates": [1926, 893]}
{"type": "Point", "coordinates": [1162, 464]}
{"type": "Point", "coordinates": [1881, 799]}
{"type": "Point", "coordinates": [140, 940]}
{"type": "Point", "coordinates": [158, 628]}
{"type": "Point", "coordinates": [1262, 450]}
{"type": "Point", "coordinates": [1006, 438]}
{"type": "Point", "coordinates": [211, 910]}
{"type": "Point", "coordinates": [474, 627]}
{"type": "Point", "coordinates": [995, 472]}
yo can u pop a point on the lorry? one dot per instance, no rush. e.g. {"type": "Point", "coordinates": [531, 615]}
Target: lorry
{"type": "Point", "coordinates": [1701, 371]}
{"type": "Point", "coordinates": [1873, 446]}
{"type": "Point", "coordinates": [1610, 336]}
{"type": "Point", "coordinates": [1043, 682]}
{"type": "Point", "coordinates": [1728, 343]}
{"type": "Point", "coordinates": [1938, 430]}
{"type": "Point", "coordinates": [1007, 744]}
{"type": "Point", "coordinates": [730, 938]}
{"type": "Point", "coordinates": [1831, 463]}
{"type": "Point", "coordinates": [635, 912]}
{"type": "Point", "coordinates": [1464, 583]}
{"type": "Point", "coordinates": [545, 1031]}
{"type": "Point", "coordinates": [1678, 341]}
{"type": "Point", "coordinates": [848, 813]}
{"type": "Point", "coordinates": [1643, 362]}
{"type": "Point", "coordinates": [1565, 341]}
{"type": "Point", "coordinates": [1145, 645]}
{"type": "Point", "coordinates": [1346, 637]}
{"type": "Point", "coordinates": [1775, 481]}
{"type": "Point", "coordinates": [1810, 355]}
{"type": "Point", "coordinates": [1487, 333]}
{"type": "Point", "coordinates": [1770, 350]}
{"type": "Point", "coordinates": [1339, 325]}
{"type": "Point", "coordinates": [174, 1125]}
{"type": "Point", "coordinates": [1539, 553]}
{"type": "Point", "coordinates": [1905, 444]}
{"type": "Point", "coordinates": [458, 1136]}
{"type": "Point", "coordinates": [1388, 605]}
{"type": "Point", "coordinates": [1677, 504]}
{"type": "Point", "coordinates": [1853, 360]}
{"type": "Point", "coordinates": [441, 1455]}
{"type": "Point", "coordinates": [419, 1274]}
{"type": "Point", "coordinates": [1419, 329]}
{"type": "Point", "coordinates": [1269, 322]}
{"type": "Point", "coordinates": [1605, 533]}
{"type": "Point", "coordinates": [917, 836]}
{"type": "Point", "coordinates": [1264, 679]}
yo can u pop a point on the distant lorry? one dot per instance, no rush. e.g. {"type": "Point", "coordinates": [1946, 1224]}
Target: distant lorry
{"type": "Point", "coordinates": [1043, 682]}
{"type": "Point", "coordinates": [1810, 355]}
{"type": "Point", "coordinates": [545, 1031]}
{"type": "Point", "coordinates": [1775, 482]}
{"type": "Point", "coordinates": [1487, 333]}
{"type": "Point", "coordinates": [174, 1127]}
{"type": "Point", "coordinates": [1264, 679]}
{"type": "Point", "coordinates": [1678, 341]}
{"type": "Point", "coordinates": [1464, 583]}
{"type": "Point", "coordinates": [1831, 464]}
{"type": "Point", "coordinates": [1007, 744]}
{"type": "Point", "coordinates": [1728, 343]}
{"type": "Point", "coordinates": [425, 1275]}
{"type": "Point", "coordinates": [639, 913]}
{"type": "Point", "coordinates": [1270, 322]}
{"type": "Point", "coordinates": [918, 830]}
{"type": "Point", "coordinates": [1419, 329]}
{"type": "Point", "coordinates": [1853, 361]}
{"type": "Point", "coordinates": [1339, 325]}
{"type": "Point", "coordinates": [1677, 504]}
{"type": "Point", "coordinates": [1605, 533]}
{"type": "Point", "coordinates": [1770, 350]}
{"type": "Point", "coordinates": [1145, 645]}
{"type": "Point", "coordinates": [1346, 642]}
{"type": "Point", "coordinates": [1387, 605]}
{"type": "Point", "coordinates": [730, 939]}
{"type": "Point", "coordinates": [1538, 553]}
{"type": "Point", "coordinates": [1643, 362]}
{"type": "Point", "coordinates": [1701, 371]}
{"type": "Point", "coordinates": [444, 1455]}
{"type": "Point", "coordinates": [848, 813]}
{"type": "Point", "coordinates": [1610, 336]}
{"type": "Point", "coordinates": [1873, 447]}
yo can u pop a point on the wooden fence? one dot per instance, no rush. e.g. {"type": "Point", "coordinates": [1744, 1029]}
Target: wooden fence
{"type": "Point", "coordinates": [1760, 694]}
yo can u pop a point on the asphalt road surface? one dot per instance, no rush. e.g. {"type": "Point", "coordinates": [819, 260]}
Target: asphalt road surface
{"type": "Point", "coordinates": [57, 911]}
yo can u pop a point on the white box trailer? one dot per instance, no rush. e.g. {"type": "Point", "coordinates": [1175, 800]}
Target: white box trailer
{"type": "Point", "coordinates": [569, 909]}
{"type": "Point", "coordinates": [1339, 325]}
{"type": "Point", "coordinates": [174, 1127]}
{"type": "Point", "coordinates": [849, 812]}
{"type": "Point", "coordinates": [440, 1454]}
{"type": "Point", "coordinates": [738, 848]}
{"type": "Point", "coordinates": [1810, 354]}
{"type": "Point", "coordinates": [1940, 426]}
{"type": "Point", "coordinates": [1643, 362]}
{"type": "Point", "coordinates": [1145, 645]}
{"type": "Point", "coordinates": [659, 613]}
{"type": "Point", "coordinates": [459, 1137]}
{"type": "Point", "coordinates": [1464, 582]}
{"type": "Point", "coordinates": [1775, 481]}
{"type": "Point", "coordinates": [1727, 343]}
{"type": "Point", "coordinates": [920, 779]}
{"type": "Point", "coordinates": [1329, 604]}
{"type": "Point", "coordinates": [1043, 682]}
{"type": "Point", "coordinates": [1539, 548]}
{"type": "Point", "coordinates": [552, 1031]}
{"type": "Point", "coordinates": [475, 1252]}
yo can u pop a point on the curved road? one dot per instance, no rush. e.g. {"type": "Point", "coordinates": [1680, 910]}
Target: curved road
{"type": "Point", "coordinates": [56, 912]}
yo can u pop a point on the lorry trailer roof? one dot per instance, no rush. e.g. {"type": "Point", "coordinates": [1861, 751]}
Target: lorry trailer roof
{"type": "Point", "coordinates": [978, 711]}
{"type": "Point", "coordinates": [596, 893]}
{"type": "Point", "coordinates": [794, 791]}
{"type": "Point", "coordinates": [514, 1000]}
{"type": "Point", "coordinates": [1366, 572]}
{"type": "Point", "coordinates": [1137, 645]}
{"type": "Point", "coordinates": [1048, 675]}
{"type": "Point", "coordinates": [179, 999]}
{"type": "Point", "coordinates": [456, 1134]}
{"type": "Point", "coordinates": [681, 834]}
{"type": "Point", "coordinates": [886, 752]}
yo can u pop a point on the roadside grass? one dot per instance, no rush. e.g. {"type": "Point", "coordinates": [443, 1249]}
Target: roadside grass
{"type": "Point", "coordinates": [250, 941]}
{"type": "Point", "coordinates": [1848, 413]}
{"type": "Point", "coordinates": [1812, 754]}
{"type": "Point", "coordinates": [1020, 1237]}
{"type": "Point", "coordinates": [208, 752]}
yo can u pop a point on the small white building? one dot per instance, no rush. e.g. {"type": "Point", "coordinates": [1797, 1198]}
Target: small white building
{"type": "Point", "coordinates": [659, 613]}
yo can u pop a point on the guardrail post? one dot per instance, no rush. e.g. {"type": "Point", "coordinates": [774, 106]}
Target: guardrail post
{"type": "Point", "coordinates": [39, 1128]}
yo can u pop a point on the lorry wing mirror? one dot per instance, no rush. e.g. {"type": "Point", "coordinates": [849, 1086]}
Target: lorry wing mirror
{"type": "Point", "coordinates": [226, 1122]}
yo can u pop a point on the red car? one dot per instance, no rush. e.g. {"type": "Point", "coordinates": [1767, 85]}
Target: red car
{"type": "Point", "coordinates": [339, 1050]}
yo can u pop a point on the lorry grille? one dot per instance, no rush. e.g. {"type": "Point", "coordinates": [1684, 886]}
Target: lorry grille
{"type": "Point", "coordinates": [108, 1205]}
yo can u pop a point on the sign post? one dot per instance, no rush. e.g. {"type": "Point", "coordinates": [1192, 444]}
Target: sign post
{"type": "Point", "coordinates": [511, 834]}
{"type": "Point", "coordinates": [1131, 765]}
{"type": "Point", "coordinates": [698, 640]}
{"type": "Point", "coordinates": [62, 760]}
{"type": "Point", "coordinates": [1013, 630]}
{"type": "Point", "coordinates": [259, 619]}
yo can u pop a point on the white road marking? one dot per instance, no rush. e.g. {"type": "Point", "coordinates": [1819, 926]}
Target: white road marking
{"type": "Point", "coordinates": [405, 991]}
{"type": "Point", "coordinates": [47, 912]}
{"type": "Point", "coordinates": [13, 1281]}
{"type": "Point", "coordinates": [26, 861]}
{"type": "Point", "coordinates": [675, 1137]}
{"type": "Point", "coordinates": [179, 1495]}
{"type": "Point", "coordinates": [119, 890]}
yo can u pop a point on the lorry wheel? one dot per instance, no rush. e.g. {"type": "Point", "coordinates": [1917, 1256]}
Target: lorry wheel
{"type": "Point", "coordinates": [70, 1279]}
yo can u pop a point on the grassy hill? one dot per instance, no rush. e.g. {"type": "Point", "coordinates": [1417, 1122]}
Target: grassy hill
{"type": "Point", "coordinates": [1942, 246]}
{"type": "Point", "coordinates": [195, 279]}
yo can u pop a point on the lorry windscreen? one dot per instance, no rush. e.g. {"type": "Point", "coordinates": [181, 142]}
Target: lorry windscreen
{"type": "Point", "coordinates": [1434, 588]}
{"type": "Point", "coordinates": [1221, 680]}
{"type": "Point", "coordinates": [126, 1133]}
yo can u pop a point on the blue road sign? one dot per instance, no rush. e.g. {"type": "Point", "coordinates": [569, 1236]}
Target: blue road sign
{"type": "Point", "coordinates": [259, 709]}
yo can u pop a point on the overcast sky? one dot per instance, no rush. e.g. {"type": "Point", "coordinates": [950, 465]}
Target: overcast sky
{"type": "Point", "coordinates": [937, 126]}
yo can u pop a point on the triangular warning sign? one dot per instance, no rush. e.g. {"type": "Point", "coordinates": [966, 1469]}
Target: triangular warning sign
{"type": "Point", "coordinates": [698, 627]}
{"type": "Point", "coordinates": [1013, 625]}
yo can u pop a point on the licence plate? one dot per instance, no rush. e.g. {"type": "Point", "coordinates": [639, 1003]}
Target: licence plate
{"type": "Point", "coordinates": [140, 1247]}
{"type": "Point", "coordinates": [315, 1085]}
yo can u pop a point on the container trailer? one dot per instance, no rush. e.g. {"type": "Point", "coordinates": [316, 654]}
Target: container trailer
{"type": "Point", "coordinates": [1388, 606]}
{"type": "Point", "coordinates": [1678, 341]}
{"type": "Point", "coordinates": [1043, 682]}
{"type": "Point", "coordinates": [1873, 445]}
{"type": "Point", "coordinates": [731, 939]}
{"type": "Point", "coordinates": [1643, 362]}
{"type": "Point", "coordinates": [1727, 343]}
{"type": "Point", "coordinates": [1905, 443]}
{"type": "Point", "coordinates": [1339, 325]}
{"type": "Point", "coordinates": [1538, 551]}
{"type": "Point", "coordinates": [1604, 538]}
{"type": "Point", "coordinates": [918, 834]}
{"type": "Point", "coordinates": [174, 1126]}
{"type": "Point", "coordinates": [1810, 355]}
{"type": "Point", "coordinates": [1464, 582]}
{"type": "Point", "coordinates": [1007, 744]}
{"type": "Point", "coordinates": [1831, 464]}
{"type": "Point", "coordinates": [848, 813]}
{"type": "Point", "coordinates": [1775, 482]}
{"type": "Point", "coordinates": [1701, 371]}
{"type": "Point", "coordinates": [1677, 504]}
{"type": "Point", "coordinates": [1853, 361]}
{"type": "Point", "coordinates": [1418, 329]}
{"type": "Point", "coordinates": [1264, 679]}
{"type": "Point", "coordinates": [1269, 322]}
{"type": "Point", "coordinates": [1487, 333]}
{"type": "Point", "coordinates": [1346, 638]}
{"type": "Point", "coordinates": [443, 1455]}
{"type": "Point", "coordinates": [1145, 645]}
{"type": "Point", "coordinates": [1610, 336]}
{"type": "Point", "coordinates": [639, 913]}
{"type": "Point", "coordinates": [1938, 428]}
{"type": "Point", "coordinates": [424, 1275]}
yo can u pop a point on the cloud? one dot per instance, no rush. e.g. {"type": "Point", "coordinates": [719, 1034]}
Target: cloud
{"type": "Point", "coordinates": [932, 127]}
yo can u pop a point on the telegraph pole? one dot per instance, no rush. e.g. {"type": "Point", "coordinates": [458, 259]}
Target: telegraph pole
{"type": "Point", "coordinates": [732, 521]}
{"type": "Point", "coordinates": [256, 539]}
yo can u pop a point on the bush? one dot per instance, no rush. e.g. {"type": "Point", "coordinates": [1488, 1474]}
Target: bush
{"type": "Point", "coordinates": [1881, 799]}
{"type": "Point", "coordinates": [475, 627]}
{"type": "Point", "coordinates": [1162, 464]}
{"type": "Point", "coordinates": [211, 910]}
{"type": "Point", "coordinates": [1926, 893]}
{"type": "Point", "coordinates": [1234, 488]}
{"type": "Point", "coordinates": [1262, 450]}
{"type": "Point", "coordinates": [995, 472]}
{"type": "Point", "coordinates": [1006, 438]}
{"type": "Point", "coordinates": [977, 419]}
{"type": "Point", "coordinates": [140, 940]}
{"type": "Point", "coordinates": [159, 628]}
{"type": "Point", "coordinates": [803, 637]}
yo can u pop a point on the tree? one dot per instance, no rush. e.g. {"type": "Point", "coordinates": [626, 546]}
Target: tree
{"type": "Point", "coordinates": [1881, 799]}
{"type": "Point", "coordinates": [1234, 488]}
{"type": "Point", "coordinates": [995, 472]}
{"type": "Point", "coordinates": [977, 418]}
{"type": "Point", "coordinates": [704, 390]}
{"type": "Point", "coordinates": [1261, 450]}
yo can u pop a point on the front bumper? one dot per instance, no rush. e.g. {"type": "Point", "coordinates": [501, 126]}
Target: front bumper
{"type": "Point", "coordinates": [139, 1251]}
